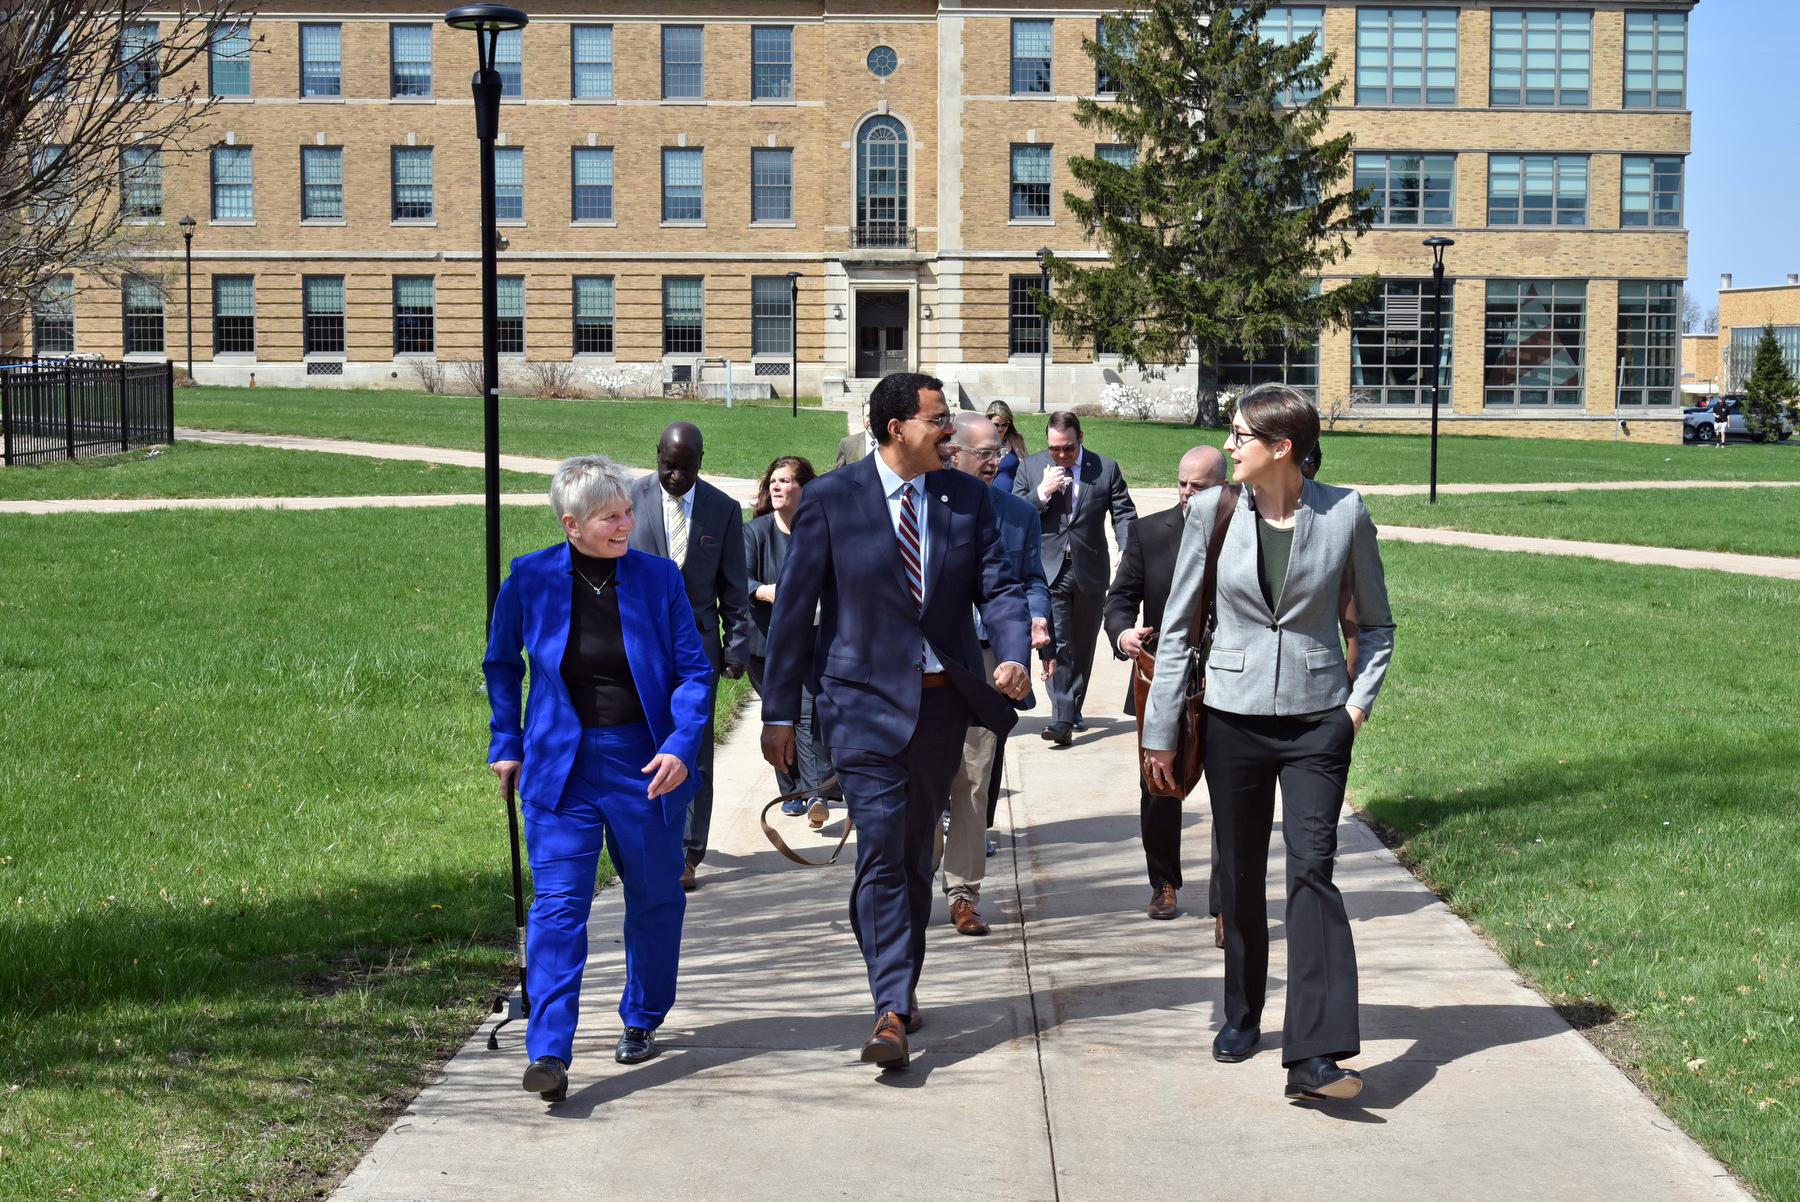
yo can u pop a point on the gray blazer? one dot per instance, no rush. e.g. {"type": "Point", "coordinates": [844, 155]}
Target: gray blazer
{"type": "Point", "coordinates": [1290, 662]}
{"type": "Point", "coordinates": [1077, 542]}
{"type": "Point", "coordinates": [717, 585]}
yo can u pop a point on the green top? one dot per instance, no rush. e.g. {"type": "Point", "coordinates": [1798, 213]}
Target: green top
{"type": "Point", "coordinates": [1273, 546]}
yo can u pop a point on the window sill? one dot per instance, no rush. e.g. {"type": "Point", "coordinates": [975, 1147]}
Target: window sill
{"type": "Point", "coordinates": [412, 99]}
{"type": "Point", "coordinates": [428, 223]}
{"type": "Point", "coordinates": [512, 100]}
{"type": "Point", "coordinates": [509, 223]}
{"type": "Point", "coordinates": [684, 225]}
{"type": "Point", "coordinates": [596, 358]}
{"type": "Point", "coordinates": [326, 356]}
{"type": "Point", "coordinates": [234, 99]}
{"type": "Point", "coordinates": [146, 357]}
{"type": "Point", "coordinates": [237, 358]}
{"type": "Point", "coordinates": [1032, 221]}
{"type": "Point", "coordinates": [321, 100]}
{"type": "Point", "coordinates": [1028, 360]}
{"type": "Point", "coordinates": [147, 221]}
{"type": "Point", "coordinates": [232, 221]}
{"type": "Point", "coordinates": [593, 100]}
{"type": "Point", "coordinates": [593, 224]}
{"type": "Point", "coordinates": [1033, 97]}
{"type": "Point", "coordinates": [683, 100]}
{"type": "Point", "coordinates": [323, 221]}
{"type": "Point", "coordinates": [772, 225]}
{"type": "Point", "coordinates": [773, 101]}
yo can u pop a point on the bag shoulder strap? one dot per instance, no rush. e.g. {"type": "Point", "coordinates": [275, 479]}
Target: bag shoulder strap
{"type": "Point", "coordinates": [1209, 580]}
{"type": "Point", "coordinates": [780, 844]}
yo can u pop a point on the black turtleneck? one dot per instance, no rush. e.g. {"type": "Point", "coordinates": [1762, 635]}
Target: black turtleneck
{"type": "Point", "coordinates": [594, 666]}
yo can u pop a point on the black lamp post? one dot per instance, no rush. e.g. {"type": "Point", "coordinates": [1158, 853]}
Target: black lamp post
{"type": "Point", "coordinates": [489, 21]}
{"type": "Point", "coordinates": [794, 337]}
{"type": "Point", "coordinates": [187, 225]}
{"type": "Point", "coordinates": [1043, 321]}
{"type": "Point", "coordinates": [1437, 245]}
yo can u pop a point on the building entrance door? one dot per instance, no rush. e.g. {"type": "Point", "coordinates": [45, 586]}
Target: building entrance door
{"type": "Point", "coordinates": [882, 319]}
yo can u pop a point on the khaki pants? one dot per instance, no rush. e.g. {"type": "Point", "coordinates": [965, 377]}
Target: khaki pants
{"type": "Point", "coordinates": [965, 847]}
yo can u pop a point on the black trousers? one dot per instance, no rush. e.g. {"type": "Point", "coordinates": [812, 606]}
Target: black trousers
{"type": "Point", "coordinates": [1245, 755]}
{"type": "Point", "coordinates": [1076, 616]}
{"type": "Point", "coordinates": [1159, 823]}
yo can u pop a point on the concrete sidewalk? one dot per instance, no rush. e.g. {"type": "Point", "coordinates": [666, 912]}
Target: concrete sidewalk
{"type": "Point", "coordinates": [1065, 1056]}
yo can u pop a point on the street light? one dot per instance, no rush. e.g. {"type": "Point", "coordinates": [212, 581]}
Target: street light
{"type": "Point", "coordinates": [794, 337]}
{"type": "Point", "coordinates": [1043, 321]}
{"type": "Point", "coordinates": [187, 225]}
{"type": "Point", "coordinates": [488, 21]}
{"type": "Point", "coordinates": [1437, 245]}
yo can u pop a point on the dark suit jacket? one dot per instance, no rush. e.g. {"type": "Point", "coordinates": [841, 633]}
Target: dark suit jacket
{"type": "Point", "coordinates": [1077, 542]}
{"type": "Point", "coordinates": [765, 550]}
{"type": "Point", "coordinates": [845, 559]}
{"type": "Point", "coordinates": [1146, 569]}
{"type": "Point", "coordinates": [714, 572]}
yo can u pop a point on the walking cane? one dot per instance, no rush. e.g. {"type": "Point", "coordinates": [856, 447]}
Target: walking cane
{"type": "Point", "coordinates": [522, 1007]}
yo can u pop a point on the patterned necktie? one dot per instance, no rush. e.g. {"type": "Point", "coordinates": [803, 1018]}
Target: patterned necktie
{"type": "Point", "coordinates": [678, 535]}
{"type": "Point", "coordinates": [909, 546]}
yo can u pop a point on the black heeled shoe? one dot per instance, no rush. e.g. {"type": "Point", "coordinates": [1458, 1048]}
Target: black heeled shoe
{"type": "Point", "coordinates": [548, 1078]}
{"type": "Point", "coordinates": [1320, 1077]}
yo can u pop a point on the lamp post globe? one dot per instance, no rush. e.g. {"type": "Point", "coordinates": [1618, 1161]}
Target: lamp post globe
{"type": "Point", "coordinates": [1436, 245]}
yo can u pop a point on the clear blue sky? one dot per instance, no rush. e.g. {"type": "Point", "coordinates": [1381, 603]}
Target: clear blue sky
{"type": "Point", "coordinates": [1743, 177]}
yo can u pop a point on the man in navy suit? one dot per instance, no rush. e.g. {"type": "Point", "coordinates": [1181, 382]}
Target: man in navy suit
{"type": "Point", "coordinates": [895, 554]}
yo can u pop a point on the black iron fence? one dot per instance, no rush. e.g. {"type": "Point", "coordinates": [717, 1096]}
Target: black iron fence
{"type": "Point", "coordinates": [73, 408]}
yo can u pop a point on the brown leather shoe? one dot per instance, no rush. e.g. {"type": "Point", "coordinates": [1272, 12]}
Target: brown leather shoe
{"type": "Point", "coordinates": [687, 879]}
{"type": "Point", "coordinates": [817, 816]}
{"type": "Point", "coordinates": [1218, 930]}
{"type": "Point", "coordinates": [967, 918]}
{"type": "Point", "coordinates": [887, 1046]}
{"type": "Point", "coordinates": [1162, 902]}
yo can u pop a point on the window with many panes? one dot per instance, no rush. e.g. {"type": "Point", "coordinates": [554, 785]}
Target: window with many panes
{"type": "Point", "coordinates": [321, 60]}
{"type": "Point", "coordinates": [410, 47]}
{"type": "Point", "coordinates": [321, 183]}
{"type": "Point", "coordinates": [1649, 342]}
{"type": "Point", "coordinates": [509, 183]}
{"type": "Point", "coordinates": [1542, 58]}
{"type": "Point", "coordinates": [1537, 189]}
{"type": "Point", "coordinates": [591, 48]}
{"type": "Point", "coordinates": [1119, 43]}
{"type": "Point", "coordinates": [772, 62]}
{"type": "Point", "coordinates": [323, 299]}
{"type": "Point", "coordinates": [1286, 24]}
{"type": "Point", "coordinates": [415, 190]}
{"type": "Point", "coordinates": [1024, 323]}
{"type": "Point", "coordinates": [1406, 56]}
{"type": "Point", "coordinates": [1655, 60]}
{"type": "Point", "coordinates": [415, 315]}
{"type": "Point", "coordinates": [1390, 345]}
{"type": "Point", "coordinates": [55, 200]}
{"type": "Point", "coordinates": [234, 315]}
{"type": "Point", "coordinates": [1123, 157]}
{"type": "Point", "coordinates": [509, 320]}
{"type": "Point", "coordinates": [684, 315]}
{"type": "Point", "coordinates": [233, 189]}
{"type": "Point", "coordinates": [1409, 189]}
{"type": "Point", "coordinates": [1297, 367]}
{"type": "Point", "coordinates": [593, 183]}
{"type": "Point", "coordinates": [593, 315]}
{"type": "Point", "coordinates": [1650, 190]}
{"type": "Point", "coordinates": [143, 316]}
{"type": "Point", "coordinates": [53, 318]}
{"type": "Point", "coordinates": [1033, 45]}
{"type": "Point", "coordinates": [772, 185]}
{"type": "Point", "coordinates": [881, 178]}
{"type": "Point", "coordinates": [230, 60]}
{"type": "Point", "coordinates": [771, 315]}
{"type": "Point", "coordinates": [509, 61]}
{"type": "Point", "coordinates": [683, 62]}
{"type": "Point", "coordinates": [683, 185]}
{"type": "Point", "coordinates": [142, 183]}
{"type": "Point", "coordinates": [1535, 342]}
{"type": "Point", "coordinates": [140, 59]}
{"type": "Point", "coordinates": [1031, 183]}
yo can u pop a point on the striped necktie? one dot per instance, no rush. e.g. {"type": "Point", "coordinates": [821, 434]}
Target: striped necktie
{"type": "Point", "coordinates": [678, 535]}
{"type": "Point", "coordinates": [909, 546]}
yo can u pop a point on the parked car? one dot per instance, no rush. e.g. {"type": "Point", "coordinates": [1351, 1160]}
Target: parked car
{"type": "Point", "coordinates": [1697, 423]}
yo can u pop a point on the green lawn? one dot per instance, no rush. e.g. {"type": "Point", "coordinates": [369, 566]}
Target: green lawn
{"type": "Point", "coordinates": [254, 868]}
{"type": "Point", "coordinates": [198, 469]}
{"type": "Point", "coordinates": [1596, 764]}
{"type": "Point", "coordinates": [741, 441]}
{"type": "Point", "coordinates": [1748, 521]}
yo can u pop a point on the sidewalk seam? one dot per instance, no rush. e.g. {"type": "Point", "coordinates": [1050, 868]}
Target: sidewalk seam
{"type": "Point", "coordinates": [1037, 1030]}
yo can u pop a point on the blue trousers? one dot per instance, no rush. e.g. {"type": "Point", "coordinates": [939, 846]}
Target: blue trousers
{"type": "Point", "coordinates": [604, 804]}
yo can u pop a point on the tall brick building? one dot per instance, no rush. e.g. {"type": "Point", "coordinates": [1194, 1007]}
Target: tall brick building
{"type": "Point", "coordinates": [664, 168]}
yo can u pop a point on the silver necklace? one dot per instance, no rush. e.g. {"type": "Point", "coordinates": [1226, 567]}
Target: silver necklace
{"type": "Point", "coordinates": [598, 588]}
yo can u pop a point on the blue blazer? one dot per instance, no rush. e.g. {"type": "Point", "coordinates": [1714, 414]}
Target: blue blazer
{"type": "Point", "coordinates": [668, 664]}
{"type": "Point", "coordinates": [1021, 539]}
{"type": "Point", "coordinates": [845, 559]}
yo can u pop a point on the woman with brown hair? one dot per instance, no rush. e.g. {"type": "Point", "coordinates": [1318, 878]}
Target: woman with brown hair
{"type": "Point", "coordinates": [765, 551]}
{"type": "Point", "coordinates": [1012, 444]}
{"type": "Point", "coordinates": [1280, 705]}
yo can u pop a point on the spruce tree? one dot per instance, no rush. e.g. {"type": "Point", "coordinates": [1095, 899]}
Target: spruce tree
{"type": "Point", "coordinates": [1770, 391]}
{"type": "Point", "coordinates": [1231, 204]}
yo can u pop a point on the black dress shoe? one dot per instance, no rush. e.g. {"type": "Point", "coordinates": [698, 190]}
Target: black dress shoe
{"type": "Point", "coordinates": [1232, 1045]}
{"type": "Point", "coordinates": [1320, 1077]}
{"type": "Point", "coordinates": [635, 1046]}
{"type": "Point", "coordinates": [548, 1078]}
{"type": "Point", "coordinates": [1060, 733]}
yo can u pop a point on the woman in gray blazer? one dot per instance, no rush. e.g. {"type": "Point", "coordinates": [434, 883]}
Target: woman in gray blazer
{"type": "Point", "coordinates": [1280, 706]}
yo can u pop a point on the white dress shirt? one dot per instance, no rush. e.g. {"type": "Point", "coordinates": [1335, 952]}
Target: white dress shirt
{"type": "Point", "coordinates": [894, 488]}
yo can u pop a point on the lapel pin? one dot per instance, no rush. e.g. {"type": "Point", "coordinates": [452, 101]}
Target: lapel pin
{"type": "Point", "coordinates": [943, 498]}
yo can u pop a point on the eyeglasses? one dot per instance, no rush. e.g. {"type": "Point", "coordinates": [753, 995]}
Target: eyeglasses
{"type": "Point", "coordinates": [991, 453]}
{"type": "Point", "coordinates": [941, 421]}
{"type": "Point", "coordinates": [1071, 449]}
{"type": "Point", "coordinates": [1238, 438]}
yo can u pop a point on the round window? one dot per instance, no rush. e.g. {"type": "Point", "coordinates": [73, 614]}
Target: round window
{"type": "Point", "coordinates": [883, 61]}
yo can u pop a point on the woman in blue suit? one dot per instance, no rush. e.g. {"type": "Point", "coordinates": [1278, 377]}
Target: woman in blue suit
{"type": "Point", "coordinates": [605, 754]}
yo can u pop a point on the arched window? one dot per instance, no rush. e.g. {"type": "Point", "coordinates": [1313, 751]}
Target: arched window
{"type": "Point", "coordinates": [881, 175]}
